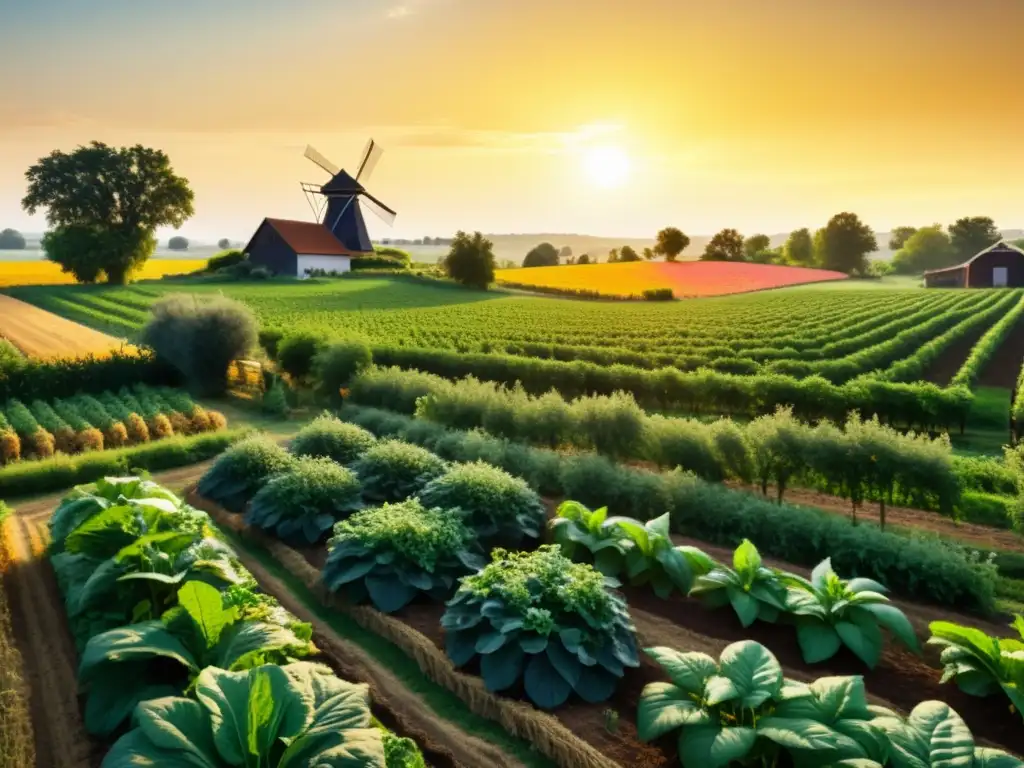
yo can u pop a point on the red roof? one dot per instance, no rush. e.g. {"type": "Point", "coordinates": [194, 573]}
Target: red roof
{"type": "Point", "coordinates": [307, 237]}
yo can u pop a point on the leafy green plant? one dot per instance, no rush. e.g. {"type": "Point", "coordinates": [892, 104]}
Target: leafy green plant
{"type": "Point", "coordinates": [982, 665]}
{"type": "Point", "coordinates": [267, 717]}
{"type": "Point", "coordinates": [392, 470]}
{"type": "Point", "coordinates": [539, 618]}
{"type": "Point", "coordinates": [301, 504]}
{"type": "Point", "coordinates": [328, 436]}
{"type": "Point", "coordinates": [832, 612]}
{"type": "Point", "coordinates": [754, 591]}
{"type": "Point", "coordinates": [242, 470]}
{"type": "Point", "coordinates": [147, 660]}
{"type": "Point", "coordinates": [497, 506]}
{"type": "Point", "coordinates": [392, 553]}
{"type": "Point", "coordinates": [740, 710]}
{"type": "Point", "coordinates": [642, 553]}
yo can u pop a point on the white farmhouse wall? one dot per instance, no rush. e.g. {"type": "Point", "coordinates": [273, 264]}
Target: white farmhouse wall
{"type": "Point", "coordinates": [327, 263]}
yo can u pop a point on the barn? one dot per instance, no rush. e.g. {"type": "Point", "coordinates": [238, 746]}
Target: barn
{"type": "Point", "coordinates": [293, 248]}
{"type": "Point", "coordinates": [998, 266]}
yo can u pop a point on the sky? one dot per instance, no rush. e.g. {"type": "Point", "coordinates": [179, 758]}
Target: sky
{"type": "Point", "coordinates": [601, 117]}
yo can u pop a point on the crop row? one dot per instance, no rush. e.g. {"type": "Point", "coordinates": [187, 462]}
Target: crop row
{"type": "Point", "coordinates": [404, 525]}
{"type": "Point", "coordinates": [40, 428]}
{"type": "Point", "coordinates": [174, 634]}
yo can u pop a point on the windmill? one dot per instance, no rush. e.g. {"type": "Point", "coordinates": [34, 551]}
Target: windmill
{"type": "Point", "coordinates": [338, 203]}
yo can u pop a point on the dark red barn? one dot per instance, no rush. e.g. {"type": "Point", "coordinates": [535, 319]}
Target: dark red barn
{"type": "Point", "coordinates": [998, 266]}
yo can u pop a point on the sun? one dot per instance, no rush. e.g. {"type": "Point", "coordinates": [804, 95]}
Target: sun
{"type": "Point", "coordinates": [607, 166]}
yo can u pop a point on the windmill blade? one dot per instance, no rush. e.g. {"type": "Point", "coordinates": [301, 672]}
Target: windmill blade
{"type": "Point", "coordinates": [323, 162]}
{"type": "Point", "coordinates": [378, 208]}
{"type": "Point", "coordinates": [371, 156]}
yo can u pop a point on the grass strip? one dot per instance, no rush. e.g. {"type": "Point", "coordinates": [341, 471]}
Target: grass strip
{"type": "Point", "coordinates": [17, 745]}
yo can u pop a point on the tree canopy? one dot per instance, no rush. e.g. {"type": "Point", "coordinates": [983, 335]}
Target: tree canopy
{"type": "Point", "coordinates": [470, 260]}
{"type": "Point", "coordinates": [927, 248]}
{"type": "Point", "coordinates": [583, 259]}
{"type": "Point", "coordinates": [12, 240]}
{"type": "Point", "coordinates": [754, 245]}
{"type": "Point", "coordinates": [543, 255]}
{"type": "Point", "coordinates": [110, 202]}
{"type": "Point", "coordinates": [972, 234]}
{"type": "Point", "coordinates": [565, 252]}
{"type": "Point", "coordinates": [799, 249]}
{"type": "Point", "coordinates": [223, 243]}
{"type": "Point", "coordinates": [627, 253]}
{"type": "Point", "coordinates": [178, 243]}
{"type": "Point", "coordinates": [899, 236]}
{"type": "Point", "coordinates": [727, 245]}
{"type": "Point", "coordinates": [670, 243]}
{"type": "Point", "coordinates": [845, 244]}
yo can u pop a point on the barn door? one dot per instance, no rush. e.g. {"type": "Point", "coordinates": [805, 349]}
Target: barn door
{"type": "Point", "coordinates": [999, 277]}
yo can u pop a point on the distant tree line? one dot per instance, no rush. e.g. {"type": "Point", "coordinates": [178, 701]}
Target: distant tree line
{"type": "Point", "coordinates": [12, 240]}
{"type": "Point", "coordinates": [933, 247]}
{"type": "Point", "coordinates": [418, 241]}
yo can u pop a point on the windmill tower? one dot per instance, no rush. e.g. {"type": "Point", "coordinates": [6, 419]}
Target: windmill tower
{"type": "Point", "coordinates": [338, 203]}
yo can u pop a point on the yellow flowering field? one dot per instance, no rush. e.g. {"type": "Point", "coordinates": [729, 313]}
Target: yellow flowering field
{"type": "Point", "coordinates": [47, 273]}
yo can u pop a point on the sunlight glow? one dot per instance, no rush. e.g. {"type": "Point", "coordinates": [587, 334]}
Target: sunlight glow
{"type": "Point", "coordinates": [607, 166]}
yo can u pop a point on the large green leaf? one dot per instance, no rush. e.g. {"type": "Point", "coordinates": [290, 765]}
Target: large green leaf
{"type": "Point", "coordinates": [565, 663]}
{"type": "Point", "coordinates": [934, 735]}
{"type": "Point", "coordinates": [206, 607]}
{"type": "Point", "coordinates": [136, 642]}
{"type": "Point", "coordinates": [805, 734]}
{"type": "Point", "coordinates": [172, 733]}
{"type": "Point", "coordinates": [985, 757]}
{"type": "Point", "coordinates": [134, 750]}
{"type": "Point", "coordinates": [243, 638]}
{"type": "Point", "coordinates": [748, 674]}
{"type": "Point", "coordinates": [663, 708]}
{"type": "Point", "coordinates": [103, 534]}
{"type": "Point", "coordinates": [745, 606]}
{"type": "Point", "coordinates": [829, 700]}
{"type": "Point", "coordinates": [711, 746]}
{"type": "Point", "coordinates": [746, 560]}
{"type": "Point", "coordinates": [864, 638]}
{"type": "Point", "coordinates": [820, 573]}
{"type": "Point", "coordinates": [690, 671]}
{"type": "Point", "coordinates": [595, 684]}
{"type": "Point", "coordinates": [110, 700]}
{"type": "Point", "coordinates": [501, 669]}
{"type": "Point", "coordinates": [544, 685]}
{"type": "Point", "coordinates": [984, 648]}
{"type": "Point", "coordinates": [893, 619]}
{"type": "Point", "coordinates": [388, 593]}
{"type": "Point", "coordinates": [818, 641]}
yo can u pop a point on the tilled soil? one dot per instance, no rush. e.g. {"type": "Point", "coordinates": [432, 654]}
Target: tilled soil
{"type": "Point", "coordinates": [1004, 367]}
{"type": "Point", "coordinates": [42, 334]}
{"type": "Point", "coordinates": [952, 358]}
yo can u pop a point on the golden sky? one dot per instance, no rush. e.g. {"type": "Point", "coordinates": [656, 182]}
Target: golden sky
{"type": "Point", "coordinates": [764, 115]}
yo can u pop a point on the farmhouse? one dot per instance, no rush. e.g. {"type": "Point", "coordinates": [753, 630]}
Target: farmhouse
{"type": "Point", "coordinates": [998, 266]}
{"type": "Point", "coordinates": [293, 248]}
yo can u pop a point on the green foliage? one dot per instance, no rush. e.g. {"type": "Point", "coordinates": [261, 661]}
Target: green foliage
{"type": "Point", "coordinates": [336, 365]}
{"type": "Point", "coordinates": [727, 245]}
{"type": "Point", "coordinates": [242, 470]}
{"type": "Point", "coordinates": [988, 345]}
{"type": "Point", "coordinates": [925, 248]}
{"type": "Point", "coordinates": [226, 258]}
{"type": "Point", "coordinates": [21, 418]}
{"type": "Point", "coordinates": [670, 243]}
{"type": "Point", "coordinates": [498, 508]}
{"type": "Point", "coordinates": [832, 612]}
{"type": "Point", "coordinates": [200, 339]}
{"type": "Point", "coordinates": [658, 294]}
{"type": "Point", "coordinates": [641, 553]}
{"type": "Point", "coordinates": [268, 716]}
{"type": "Point", "coordinates": [177, 243]}
{"type": "Point", "coordinates": [392, 471]}
{"type": "Point", "coordinates": [275, 399]}
{"type": "Point", "coordinates": [470, 260]}
{"type": "Point", "coordinates": [393, 553]}
{"type": "Point", "coordinates": [899, 237]}
{"type": "Point", "coordinates": [296, 351]}
{"type": "Point", "coordinates": [799, 250]}
{"type": "Point", "coordinates": [972, 234]}
{"type": "Point", "coordinates": [302, 503]}
{"type": "Point", "coordinates": [401, 752]}
{"type": "Point", "coordinates": [845, 244]}
{"type": "Point", "coordinates": [539, 618]}
{"type": "Point", "coordinates": [982, 665]}
{"type": "Point", "coordinates": [12, 240]}
{"type": "Point", "coordinates": [111, 232]}
{"type": "Point", "coordinates": [328, 436]}
{"type": "Point", "coordinates": [162, 657]}
{"type": "Point", "coordinates": [754, 591]}
{"type": "Point", "coordinates": [754, 245]}
{"type": "Point", "coordinates": [11, 358]}
{"type": "Point", "coordinates": [995, 510]}
{"type": "Point", "coordinates": [543, 255]}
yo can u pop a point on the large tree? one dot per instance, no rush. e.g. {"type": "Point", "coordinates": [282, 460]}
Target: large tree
{"type": "Point", "coordinates": [754, 245]}
{"type": "Point", "coordinates": [565, 252]}
{"type": "Point", "coordinates": [899, 236]}
{"type": "Point", "coordinates": [177, 243]}
{"type": "Point", "coordinates": [846, 243]}
{"type": "Point", "coordinates": [927, 248]}
{"type": "Point", "coordinates": [972, 234]}
{"type": "Point", "coordinates": [799, 249]}
{"type": "Point", "coordinates": [727, 245]}
{"type": "Point", "coordinates": [627, 253]}
{"type": "Point", "coordinates": [470, 260]}
{"type": "Point", "coordinates": [543, 255]}
{"type": "Point", "coordinates": [109, 202]}
{"type": "Point", "coordinates": [223, 243]}
{"type": "Point", "coordinates": [12, 240]}
{"type": "Point", "coordinates": [670, 243]}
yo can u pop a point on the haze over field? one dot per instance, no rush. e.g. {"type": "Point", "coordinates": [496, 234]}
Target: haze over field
{"type": "Point", "coordinates": [572, 117]}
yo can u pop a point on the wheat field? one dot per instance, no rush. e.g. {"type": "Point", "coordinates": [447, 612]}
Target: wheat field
{"type": "Point", "coordinates": [48, 273]}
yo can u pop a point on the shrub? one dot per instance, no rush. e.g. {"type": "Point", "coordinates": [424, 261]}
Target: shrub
{"type": "Point", "coordinates": [42, 445]}
{"type": "Point", "coordinates": [217, 420]}
{"type": "Point", "coordinates": [328, 436]}
{"type": "Point", "coordinates": [393, 471]}
{"type": "Point", "coordinates": [10, 446]}
{"type": "Point", "coordinates": [987, 509]}
{"type": "Point", "coordinates": [90, 439]}
{"type": "Point", "coordinates": [754, 591]}
{"type": "Point", "coordinates": [200, 339]}
{"type": "Point", "coordinates": [243, 469]}
{"type": "Point", "coordinates": [181, 424]}
{"type": "Point", "coordinates": [498, 507]}
{"type": "Point", "coordinates": [137, 430]}
{"type": "Point", "coordinates": [540, 618]}
{"type": "Point", "coordinates": [200, 419]}
{"type": "Point", "coordinates": [335, 366]}
{"type": "Point", "coordinates": [302, 503]}
{"type": "Point", "coordinates": [658, 294]}
{"type": "Point", "coordinates": [296, 352]}
{"type": "Point", "coordinates": [689, 445]}
{"type": "Point", "coordinates": [63, 435]}
{"type": "Point", "coordinates": [392, 553]}
{"type": "Point", "coordinates": [226, 258]}
{"type": "Point", "coordinates": [269, 338]}
{"type": "Point", "coordinates": [275, 402]}
{"type": "Point", "coordinates": [160, 427]}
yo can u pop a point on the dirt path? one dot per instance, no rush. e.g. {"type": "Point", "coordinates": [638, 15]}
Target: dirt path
{"type": "Point", "coordinates": [952, 357]}
{"type": "Point", "coordinates": [42, 334]}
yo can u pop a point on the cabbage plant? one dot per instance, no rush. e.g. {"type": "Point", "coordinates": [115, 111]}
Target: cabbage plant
{"type": "Point", "coordinates": [242, 470]}
{"type": "Point", "coordinates": [392, 553]}
{"type": "Point", "coordinates": [753, 590]}
{"type": "Point", "coordinates": [293, 716]}
{"type": "Point", "coordinates": [539, 618]}
{"type": "Point", "coordinates": [302, 504]}
{"type": "Point", "coordinates": [329, 436]}
{"type": "Point", "coordinates": [832, 612]}
{"type": "Point", "coordinates": [980, 664]}
{"type": "Point", "coordinates": [126, 665]}
{"type": "Point", "coordinates": [498, 507]}
{"type": "Point", "coordinates": [392, 470]}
